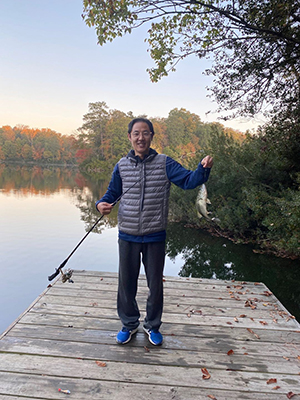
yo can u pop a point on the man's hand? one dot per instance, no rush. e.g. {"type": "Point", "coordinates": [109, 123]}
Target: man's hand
{"type": "Point", "coordinates": [104, 208]}
{"type": "Point", "coordinates": [207, 162]}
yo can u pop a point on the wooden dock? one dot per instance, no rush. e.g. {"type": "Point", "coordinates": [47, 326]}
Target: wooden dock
{"type": "Point", "coordinates": [222, 340]}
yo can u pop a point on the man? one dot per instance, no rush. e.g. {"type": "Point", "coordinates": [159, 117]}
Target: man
{"type": "Point", "coordinates": [143, 178]}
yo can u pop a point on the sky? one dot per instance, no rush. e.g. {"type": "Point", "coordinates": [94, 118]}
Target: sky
{"type": "Point", "coordinates": [52, 67]}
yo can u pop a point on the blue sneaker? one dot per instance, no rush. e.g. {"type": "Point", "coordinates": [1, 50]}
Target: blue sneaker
{"type": "Point", "coordinates": [154, 336]}
{"type": "Point", "coordinates": [124, 336]}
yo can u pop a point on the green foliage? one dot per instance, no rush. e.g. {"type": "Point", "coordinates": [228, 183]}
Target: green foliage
{"type": "Point", "coordinates": [254, 45]}
{"type": "Point", "coordinates": [104, 135]}
{"type": "Point", "coordinates": [253, 194]}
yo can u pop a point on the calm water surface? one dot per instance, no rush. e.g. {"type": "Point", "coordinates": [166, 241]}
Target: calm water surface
{"type": "Point", "coordinates": [44, 212]}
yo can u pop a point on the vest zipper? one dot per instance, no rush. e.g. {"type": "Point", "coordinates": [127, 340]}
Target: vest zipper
{"type": "Point", "coordinates": [143, 186]}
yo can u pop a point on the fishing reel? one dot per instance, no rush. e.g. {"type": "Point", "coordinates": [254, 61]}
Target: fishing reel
{"type": "Point", "coordinates": [66, 276]}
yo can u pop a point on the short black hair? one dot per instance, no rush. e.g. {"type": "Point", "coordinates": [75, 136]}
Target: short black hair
{"type": "Point", "coordinates": [140, 119]}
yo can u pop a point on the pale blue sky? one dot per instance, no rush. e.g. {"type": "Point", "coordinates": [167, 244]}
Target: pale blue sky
{"type": "Point", "coordinates": [51, 68]}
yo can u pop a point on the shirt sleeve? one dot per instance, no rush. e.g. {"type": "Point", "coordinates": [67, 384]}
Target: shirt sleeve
{"type": "Point", "coordinates": [114, 189]}
{"type": "Point", "coordinates": [185, 178]}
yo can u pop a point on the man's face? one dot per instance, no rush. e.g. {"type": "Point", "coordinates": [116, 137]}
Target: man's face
{"type": "Point", "coordinates": [140, 138]}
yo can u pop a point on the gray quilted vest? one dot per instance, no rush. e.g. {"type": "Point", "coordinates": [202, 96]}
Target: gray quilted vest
{"type": "Point", "coordinates": [144, 208]}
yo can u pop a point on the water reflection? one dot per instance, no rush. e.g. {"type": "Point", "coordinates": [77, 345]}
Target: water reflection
{"type": "Point", "coordinates": [36, 180]}
{"type": "Point", "coordinates": [205, 256]}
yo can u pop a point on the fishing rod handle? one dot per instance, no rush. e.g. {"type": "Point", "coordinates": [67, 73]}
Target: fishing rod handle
{"type": "Point", "coordinates": [54, 275]}
{"type": "Point", "coordinates": [57, 270]}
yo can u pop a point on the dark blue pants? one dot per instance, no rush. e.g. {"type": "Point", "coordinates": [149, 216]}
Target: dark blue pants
{"type": "Point", "coordinates": [153, 258]}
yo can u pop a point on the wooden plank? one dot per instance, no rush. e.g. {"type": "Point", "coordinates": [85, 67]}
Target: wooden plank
{"type": "Point", "coordinates": [235, 332]}
{"type": "Point", "coordinates": [47, 388]}
{"type": "Point", "coordinates": [56, 303]}
{"type": "Point", "coordinates": [216, 350]}
{"type": "Point", "coordinates": [144, 353]}
{"type": "Point", "coordinates": [107, 274]}
{"type": "Point", "coordinates": [217, 286]}
{"type": "Point", "coordinates": [148, 374]}
{"type": "Point", "coordinates": [191, 306]}
{"type": "Point", "coordinates": [188, 317]}
{"type": "Point", "coordinates": [224, 302]}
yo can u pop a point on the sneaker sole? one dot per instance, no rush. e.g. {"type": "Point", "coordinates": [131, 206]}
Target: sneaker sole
{"type": "Point", "coordinates": [134, 331]}
{"type": "Point", "coordinates": [154, 344]}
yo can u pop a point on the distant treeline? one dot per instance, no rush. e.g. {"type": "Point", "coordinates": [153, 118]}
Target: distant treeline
{"type": "Point", "coordinates": [42, 146]}
{"type": "Point", "coordinates": [103, 140]}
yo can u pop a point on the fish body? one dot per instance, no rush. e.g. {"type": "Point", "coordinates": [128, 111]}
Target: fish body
{"type": "Point", "coordinates": [201, 202]}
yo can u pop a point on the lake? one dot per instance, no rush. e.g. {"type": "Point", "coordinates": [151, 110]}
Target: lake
{"type": "Point", "coordinates": [45, 212]}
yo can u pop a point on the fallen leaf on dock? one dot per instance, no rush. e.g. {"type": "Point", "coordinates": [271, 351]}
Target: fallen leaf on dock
{"type": "Point", "coordinates": [101, 363]}
{"type": "Point", "coordinates": [276, 387]}
{"type": "Point", "coordinates": [249, 303]}
{"type": "Point", "coordinates": [230, 352]}
{"type": "Point", "coordinates": [206, 374]}
{"type": "Point", "coordinates": [267, 293]}
{"type": "Point", "coordinates": [146, 349]}
{"type": "Point", "coordinates": [197, 312]}
{"type": "Point", "coordinates": [290, 395]}
{"type": "Point", "coordinates": [212, 397]}
{"type": "Point", "coordinates": [253, 333]}
{"type": "Point", "coordinates": [271, 380]}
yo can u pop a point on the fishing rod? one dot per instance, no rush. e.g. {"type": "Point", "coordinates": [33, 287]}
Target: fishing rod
{"type": "Point", "coordinates": [67, 276]}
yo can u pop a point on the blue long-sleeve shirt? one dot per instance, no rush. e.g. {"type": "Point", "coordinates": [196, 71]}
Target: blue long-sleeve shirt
{"type": "Point", "coordinates": [176, 173]}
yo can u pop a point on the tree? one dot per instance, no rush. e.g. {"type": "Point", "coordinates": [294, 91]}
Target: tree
{"type": "Point", "coordinates": [254, 44]}
{"type": "Point", "coordinates": [116, 130]}
{"type": "Point", "coordinates": [104, 134]}
{"type": "Point", "coordinates": [92, 132]}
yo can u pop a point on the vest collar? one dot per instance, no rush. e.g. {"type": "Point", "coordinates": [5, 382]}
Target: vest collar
{"type": "Point", "coordinates": [149, 157]}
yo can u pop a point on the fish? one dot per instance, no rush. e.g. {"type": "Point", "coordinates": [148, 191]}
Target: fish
{"type": "Point", "coordinates": [201, 203]}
